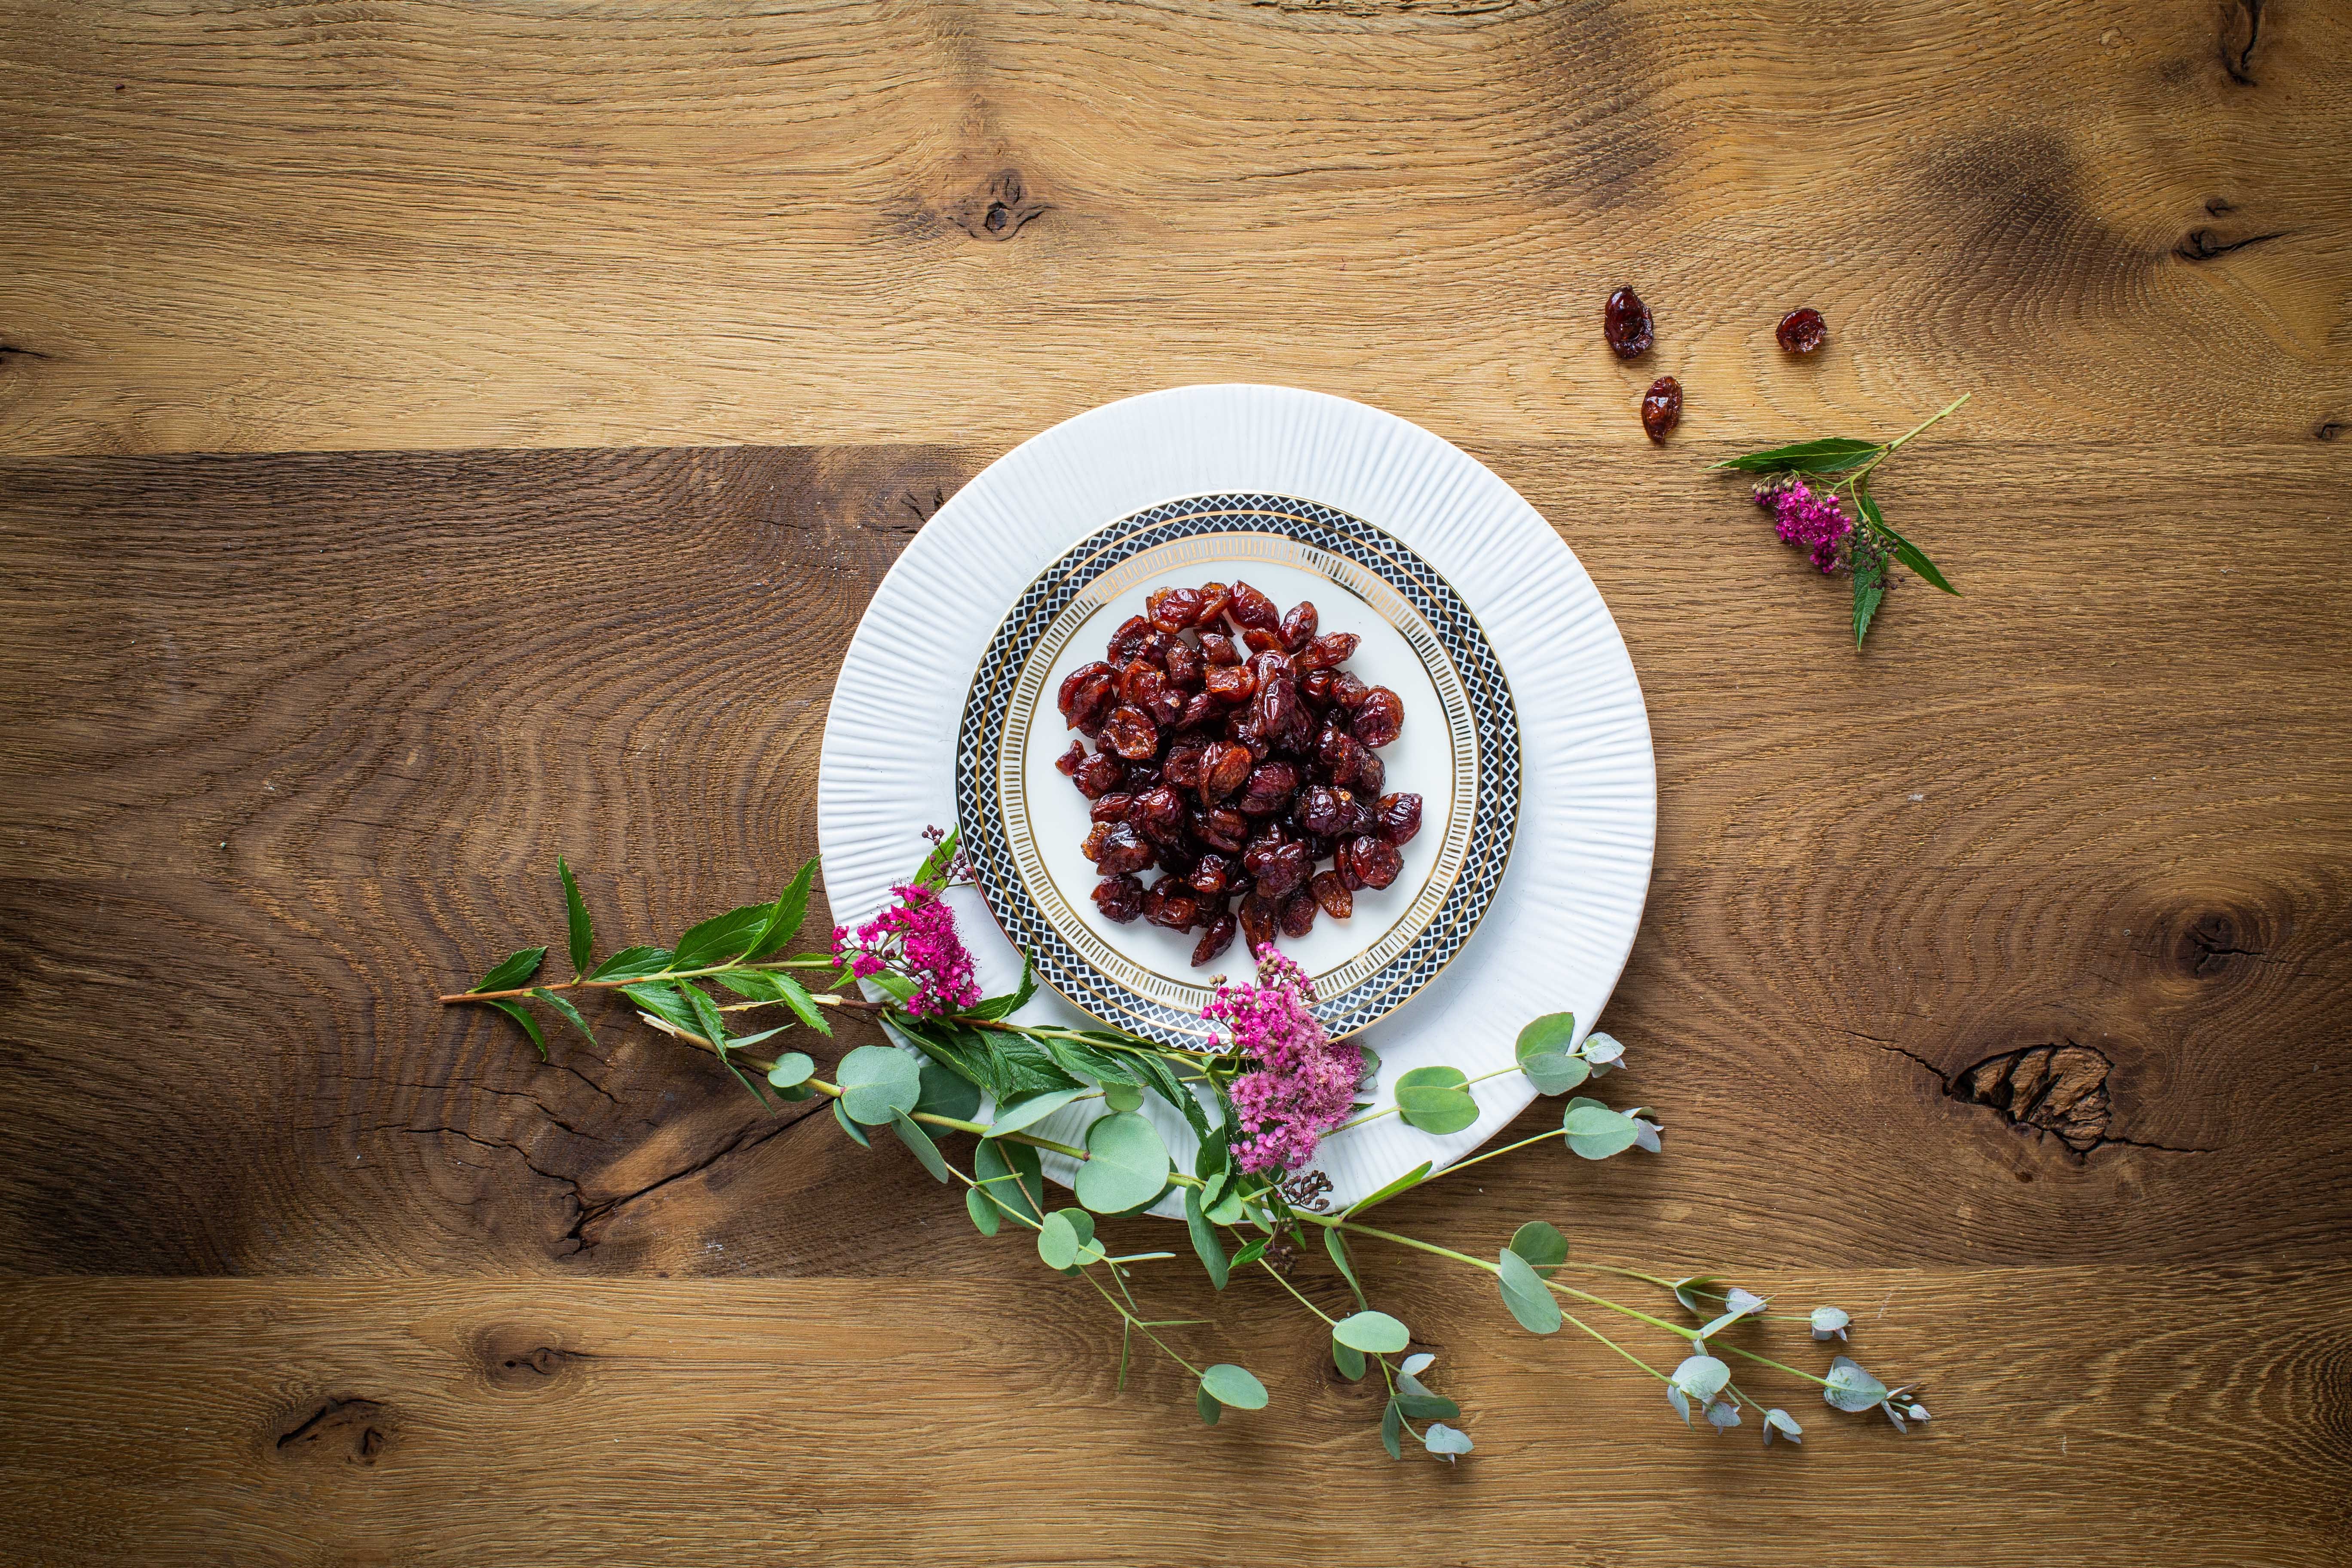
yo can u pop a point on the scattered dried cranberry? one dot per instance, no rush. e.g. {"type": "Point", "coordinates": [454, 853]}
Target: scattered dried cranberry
{"type": "Point", "coordinates": [1299, 914]}
{"type": "Point", "coordinates": [1627, 324]}
{"type": "Point", "coordinates": [1220, 936]}
{"type": "Point", "coordinates": [1661, 407]}
{"type": "Point", "coordinates": [1119, 897]}
{"type": "Point", "coordinates": [1331, 890]}
{"type": "Point", "coordinates": [1399, 817]}
{"type": "Point", "coordinates": [1803, 331]}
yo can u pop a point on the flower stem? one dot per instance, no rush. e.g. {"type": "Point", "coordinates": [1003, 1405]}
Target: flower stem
{"type": "Point", "coordinates": [458, 996]}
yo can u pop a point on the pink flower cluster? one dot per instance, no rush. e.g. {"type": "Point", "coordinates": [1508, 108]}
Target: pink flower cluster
{"type": "Point", "coordinates": [1302, 1085]}
{"type": "Point", "coordinates": [1815, 523]}
{"type": "Point", "coordinates": [915, 936]}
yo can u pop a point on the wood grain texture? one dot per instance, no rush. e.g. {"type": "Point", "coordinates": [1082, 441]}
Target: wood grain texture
{"type": "Point", "coordinates": [1991, 982]}
{"type": "Point", "coordinates": [262, 226]}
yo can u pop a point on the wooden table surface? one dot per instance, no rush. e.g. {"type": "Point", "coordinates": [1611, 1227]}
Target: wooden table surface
{"type": "Point", "coordinates": [438, 437]}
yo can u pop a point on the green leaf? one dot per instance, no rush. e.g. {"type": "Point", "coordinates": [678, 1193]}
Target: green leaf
{"type": "Point", "coordinates": [1405, 1183]}
{"type": "Point", "coordinates": [1209, 1409]}
{"type": "Point", "coordinates": [1392, 1430]}
{"type": "Point", "coordinates": [1088, 1064]}
{"type": "Point", "coordinates": [664, 1000]}
{"type": "Point", "coordinates": [1027, 1113]}
{"type": "Point", "coordinates": [721, 937]}
{"type": "Point", "coordinates": [877, 1082]}
{"type": "Point", "coordinates": [1011, 1171]}
{"type": "Point", "coordinates": [1127, 1163]}
{"type": "Point", "coordinates": [1251, 1253]}
{"type": "Point", "coordinates": [1541, 1245]}
{"type": "Point", "coordinates": [912, 1135]}
{"type": "Point", "coordinates": [1869, 569]}
{"type": "Point", "coordinates": [1595, 1131]}
{"type": "Point", "coordinates": [522, 1015]}
{"type": "Point", "coordinates": [946, 1093]}
{"type": "Point", "coordinates": [791, 1069]}
{"type": "Point", "coordinates": [563, 1006]}
{"type": "Point", "coordinates": [1435, 1101]}
{"type": "Point", "coordinates": [511, 973]}
{"type": "Point", "coordinates": [1850, 1387]}
{"type": "Point", "coordinates": [1123, 1097]}
{"type": "Point", "coordinates": [1349, 1360]}
{"type": "Point", "coordinates": [1226, 1207]}
{"type": "Point", "coordinates": [933, 872]}
{"type": "Point", "coordinates": [1554, 1033]}
{"type": "Point", "coordinates": [581, 930]}
{"type": "Point", "coordinates": [856, 1134]}
{"type": "Point", "coordinates": [1065, 1237]}
{"type": "Point", "coordinates": [1205, 1245]}
{"type": "Point", "coordinates": [1524, 1294]}
{"type": "Point", "coordinates": [1905, 552]}
{"type": "Point", "coordinates": [1428, 1407]}
{"type": "Point", "coordinates": [712, 1024]}
{"type": "Point", "coordinates": [897, 986]}
{"type": "Point", "coordinates": [1229, 1384]}
{"type": "Point", "coordinates": [1375, 1334]}
{"type": "Point", "coordinates": [784, 916]}
{"type": "Point", "coordinates": [1702, 1377]}
{"type": "Point", "coordinates": [1012, 1066]}
{"type": "Point", "coordinates": [1336, 1245]}
{"type": "Point", "coordinates": [1553, 1073]}
{"type": "Point", "coordinates": [1013, 1001]}
{"type": "Point", "coordinates": [1445, 1442]}
{"type": "Point", "coordinates": [1828, 455]}
{"type": "Point", "coordinates": [985, 1215]}
{"type": "Point", "coordinates": [631, 961]}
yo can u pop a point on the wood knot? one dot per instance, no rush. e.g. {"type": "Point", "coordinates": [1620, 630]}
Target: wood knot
{"type": "Point", "coordinates": [2329, 429]}
{"type": "Point", "coordinates": [2209, 942]}
{"type": "Point", "coordinates": [2241, 29]}
{"type": "Point", "coordinates": [521, 1358]}
{"type": "Point", "coordinates": [2204, 245]}
{"type": "Point", "coordinates": [2061, 1089]}
{"type": "Point", "coordinates": [356, 1431]}
{"type": "Point", "coordinates": [998, 209]}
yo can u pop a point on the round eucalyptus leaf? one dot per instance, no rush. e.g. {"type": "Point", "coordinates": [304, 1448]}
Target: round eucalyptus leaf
{"type": "Point", "coordinates": [1013, 1173]}
{"type": "Point", "coordinates": [1418, 1362]}
{"type": "Point", "coordinates": [1229, 1384]}
{"type": "Point", "coordinates": [1541, 1245]}
{"type": "Point", "coordinates": [947, 1093]}
{"type": "Point", "coordinates": [1349, 1360]}
{"type": "Point", "coordinates": [1445, 1442]}
{"type": "Point", "coordinates": [1851, 1388]}
{"type": "Point", "coordinates": [1702, 1377]}
{"type": "Point", "coordinates": [1435, 1099]}
{"type": "Point", "coordinates": [1126, 1164]}
{"type": "Point", "coordinates": [1553, 1073]}
{"type": "Point", "coordinates": [1374, 1333]}
{"type": "Point", "coordinates": [1066, 1233]}
{"type": "Point", "coordinates": [1554, 1034]}
{"type": "Point", "coordinates": [1829, 1320]}
{"type": "Point", "coordinates": [877, 1082]}
{"type": "Point", "coordinates": [791, 1069]}
{"type": "Point", "coordinates": [985, 1215]}
{"type": "Point", "coordinates": [1122, 1096]}
{"type": "Point", "coordinates": [1781, 1421]}
{"type": "Point", "coordinates": [1595, 1131]}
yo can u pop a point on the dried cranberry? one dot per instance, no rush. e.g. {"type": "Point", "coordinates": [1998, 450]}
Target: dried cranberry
{"type": "Point", "coordinates": [1376, 860]}
{"type": "Point", "coordinates": [1164, 905]}
{"type": "Point", "coordinates": [1339, 755]}
{"type": "Point", "coordinates": [1222, 826]}
{"type": "Point", "coordinates": [1277, 704]}
{"type": "Point", "coordinates": [1218, 648]}
{"type": "Point", "coordinates": [1626, 323]}
{"type": "Point", "coordinates": [1140, 776]}
{"type": "Point", "coordinates": [1803, 331]}
{"type": "Point", "coordinates": [1116, 846]}
{"type": "Point", "coordinates": [1254, 609]}
{"type": "Point", "coordinates": [1219, 937]}
{"type": "Point", "coordinates": [1212, 874]}
{"type": "Point", "coordinates": [1399, 817]}
{"type": "Point", "coordinates": [1244, 731]}
{"type": "Point", "coordinates": [1371, 776]}
{"type": "Point", "coordinates": [1159, 813]}
{"type": "Point", "coordinates": [1298, 626]}
{"type": "Point", "coordinates": [1268, 789]}
{"type": "Point", "coordinates": [1315, 688]}
{"type": "Point", "coordinates": [1201, 712]}
{"type": "Point", "coordinates": [1331, 890]}
{"type": "Point", "coordinates": [1268, 663]}
{"type": "Point", "coordinates": [1073, 686]}
{"type": "Point", "coordinates": [1119, 897]}
{"type": "Point", "coordinates": [1279, 868]}
{"type": "Point", "coordinates": [1349, 690]}
{"type": "Point", "coordinates": [1129, 640]}
{"type": "Point", "coordinates": [1223, 768]}
{"type": "Point", "coordinates": [1215, 600]}
{"type": "Point", "coordinates": [1299, 913]}
{"type": "Point", "coordinates": [1099, 775]}
{"type": "Point", "coordinates": [1173, 609]}
{"type": "Point", "coordinates": [1182, 767]}
{"type": "Point", "coordinates": [1379, 717]}
{"type": "Point", "coordinates": [1231, 683]}
{"type": "Point", "coordinates": [1258, 639]}
{"type": "Point", "coordinates": [1112, 807]}
{"type": "Point", "coordinates": [1324, 810]}
{"type": "Point", "coordinates": [1093, 699]}
{"type": "Point", "coordinates": [1328, 651]}
{"type": "Point", "coordinates": [1258, 918]}
{"type": "Point", "coordinates": [1067, 762]}
{"type": "Point", "coordinates": [1661, 407]}
{"type": "Point", "coordinates": [1131, 733]}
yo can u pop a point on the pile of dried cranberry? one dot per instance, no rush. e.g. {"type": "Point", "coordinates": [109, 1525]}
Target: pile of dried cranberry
{"type": "Point", "coordinates": [1236, 753]}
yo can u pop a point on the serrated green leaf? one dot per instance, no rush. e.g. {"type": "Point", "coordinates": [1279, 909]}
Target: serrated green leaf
{"type": "Point", "coordinates": [1524, 1294]}
{"type": "Point", "coordinates": [877, 1082]}
{"type": "Point", "coordinates": [1013, 1173]}
{"type": "Point", "coordinates": [856, 1134]}
{"type": "Point", "coordinates": [1375, 1334]}
{"type": "Point", "coordinates": [1229, 1384]}
{"type": "Point", "coordinates": [565, 1008]}
{"type": "Point", "coordinates": [985, 1215]}
{"type": "Point", "coordinates": [631, 961]}
{"type": "Point", "coordinates": [1251, 1253]}
{"type": "Point", "coordinates": [712, 1024]}
{"type": "Point", "coordinates": [579, 928]}
{"type": "Point", "coordinates": [1126, 1164]}
{"type": "Point", "coordinates": [786, 915]}
{"type": "Point", "coordinates": [664, 1000]}
{"type": "Point", "coordinates": [1869, 572]}
{"type": "Point", "coordinates": [1205, 1245]}
{"type": "Point", "coordinates": [1905, 552]}
{"type": "Point", "coordinates": [1336, 1245]}
{"type": "Point", "coordinates": [1013, 1001]}
{"type": "Point", "coordinates": [919, 1143]}
{"type": "Point", "coordinates": [721, 937]}
{"type": "Point", "coordinates": [1831, 454]}
{"type": "Point", "coordinates": [895, 986]}
{"type": "Point", "coordinates": [933, 872]}
{"type": "Point", "coordinates": [796, 997]}
{"type": "Point", "coordinates": [1405, 1183]}
{"type": "Point", "coordinates": [522, 1015]}
{"type": "Point", "coordinates": [511, 972]}
{"type": "Point", "coordinates": [1435, 1099]}
{"type": "Point", "coordinates": [1542, 1245]}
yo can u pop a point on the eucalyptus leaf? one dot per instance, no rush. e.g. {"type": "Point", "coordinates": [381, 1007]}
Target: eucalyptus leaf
{"type": "Point", "coordinates": [1227, 1208]}
{"type": "Point", "coordinates": [1686, 1292]}
{"type": "Point", "coordinates": [1024, 1112]}
{"type": "Point", "coordinates": [791, 1069]}
{"type": "Point", "coordinates": [1229, 1384]}
{"type": "Point", "coordinates": [1013, 1173]}
{"type": "Point", "coordinates": [946, 1093]}
{"type": "Point", "coordinates": [1392, 1430]}
{"type": "Point", "coordinates": [1122, 1096]}
{"type": "Point", "coordinates": [1127, 1163]}
{"type": "Point", "coordinates": [985, 1215]}
{"type": "Point", "coordinates": [1208, 1406]}
{"type": "Point", "coordinates": [1434, 1100]}
{"type": "Point", "coordinates": [1349, 1360]}
{"type": "Point", "coordinates": [1416, 1364]}
{"type": "Point", "coordinates": [1336, 1245]}
{"type": "Point", "coordinates": [1701, 1376]}
{"type": "Point", "coordinates": [1065, 1235]}
{"type": "Point", "coordinates": [1680, 1401]}
{"type": "Point", "coordinates": [1552, 1073]}
{"type": "Point", "coordinates": [1850, 1387]}
{"type": "Point", "coordinates": [1445, 1442]}
{"type": "Point", "coordinates": [1781, 1421]}
{"type": "Point", "coordinates": [511, 971]}
{"type": "Point", "coordinates": [564, 1009]}
{"type": "Point", "coordinates": [911, 1134]}
{"type": "Point", "coordinates": [580, 930]}
{"type": "Point", "coordinates": [1595, 1131]}
{"type": "Point", "coordinates": [1371, 1069]}
{"type": "Point", "coordinates": [1830, 1321]}
{"type": "Point", "coordinates": [1525, 1293]}
{"type": "Point", "coordinates": [877, 1082]}
{"type": "Point", "coordinates": [1405, 1183]}
{"type": "Point", "coordinates": [631, 961]}
{"type": "Point", "coordinates": [1541, 1245]}
{"type": "Point", "coordinates": [1375, 1334]}
{"type": "Point", "coordinates": [1205, 1245]}
{"type": "Point", "coordinates": [1602, 1052]}
{"type": "Point", "coordinates": [1723, 1416]}
{"type": "Point", "coordinates": [1554, 1034]}
{"type": "Point", "coordinates": [522, 1015]}
{"type": "Point", "coordinates": [856, 1134]}
{"type": "Point", "coordinates": [1424, 1406]}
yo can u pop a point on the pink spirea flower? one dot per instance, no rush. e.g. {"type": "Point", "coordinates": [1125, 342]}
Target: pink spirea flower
{"type": "Point", "coordinates": [1303, 1084]}
{"type": "Point", "coordinates": [916, 935]}
{"type": "Point", "coordinates": [1815, 523]}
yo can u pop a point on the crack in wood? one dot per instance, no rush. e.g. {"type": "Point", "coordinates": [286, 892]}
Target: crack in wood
{"type": "Point", "coordinates": [363, 1421]}
{"type": "Point", "coordinates": [601, 1214]}
{"type": "Point", "coordinates": [2203, 245]}
{"type": "Point", "coordinates": [2059, 1089]}
{"type": "Point", "coordinates": [2236, 59]}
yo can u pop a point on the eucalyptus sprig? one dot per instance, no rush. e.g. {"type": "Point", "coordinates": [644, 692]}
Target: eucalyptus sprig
{"type": "Point", "coordinates": [972, 1071]}
{"type": "Point", "coordinates": [1814, 517]}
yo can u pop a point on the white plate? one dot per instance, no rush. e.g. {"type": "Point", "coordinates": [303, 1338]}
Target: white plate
{"type": "Point", "coordinates": [1558, 934]}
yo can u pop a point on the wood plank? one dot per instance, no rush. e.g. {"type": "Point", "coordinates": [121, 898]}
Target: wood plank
{"type": "Point", "coordinates": [292, 742]}
{"type": "Point", "coordinates": [2100, 1415]}
{"type": "Point", "coordinates": [238, 225]}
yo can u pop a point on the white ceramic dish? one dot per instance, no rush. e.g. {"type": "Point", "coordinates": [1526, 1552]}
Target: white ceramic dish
{"type": "Point", "coordinates": [1557, 935]}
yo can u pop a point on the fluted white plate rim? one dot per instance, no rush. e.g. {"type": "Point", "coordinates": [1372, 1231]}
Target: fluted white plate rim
{"type": "Point", "coordinates": [1563, 923]}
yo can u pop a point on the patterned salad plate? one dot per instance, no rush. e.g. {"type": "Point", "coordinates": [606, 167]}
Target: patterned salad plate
{"type": "Point", "coordinates": [1022, 821]}
{"type": "Point", "coordinates": [1525, 731]}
